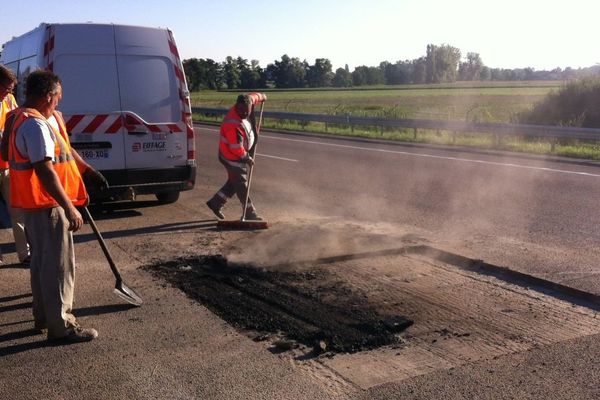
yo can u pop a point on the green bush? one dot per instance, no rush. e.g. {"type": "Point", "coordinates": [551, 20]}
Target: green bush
{"type": "Point", "coordinates": [576, 104]}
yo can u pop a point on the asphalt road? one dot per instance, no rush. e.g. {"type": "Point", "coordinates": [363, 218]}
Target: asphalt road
{"type": "Point", "coordinates": [325, 197]}
{"type": "Point", "coordinates": [532, 214]}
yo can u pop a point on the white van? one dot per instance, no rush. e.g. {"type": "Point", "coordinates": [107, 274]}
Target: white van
{"type": "Point", "coordinates": [125, 101]}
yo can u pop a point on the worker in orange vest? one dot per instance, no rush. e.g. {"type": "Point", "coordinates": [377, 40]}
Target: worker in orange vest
{"type": "Point", "coordinates": [46, 182]}
{"type": "Point", "coordinates": [237, 137]}
{"type": "Point", "coordinates": [8, 80]}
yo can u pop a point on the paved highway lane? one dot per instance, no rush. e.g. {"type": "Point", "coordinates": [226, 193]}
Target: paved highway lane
{"type": "Point", "coordinates": [527, 213]}
{"type": "Point", "coordinates": [473, 335]}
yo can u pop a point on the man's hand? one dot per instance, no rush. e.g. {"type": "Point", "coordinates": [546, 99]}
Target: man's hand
{"type": "Point", "coordinates": [74, 218]}
{"type": "Point", "coordinates": [250, 161]}
{"type": "Point", "coordinates": [95, 180]}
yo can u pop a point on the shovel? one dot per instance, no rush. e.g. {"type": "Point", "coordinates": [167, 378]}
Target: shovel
{"type": "Point", "coordinates": [121, 289]}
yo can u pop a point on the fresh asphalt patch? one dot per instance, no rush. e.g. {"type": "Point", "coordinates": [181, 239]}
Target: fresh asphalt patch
{"type": "Point", "coordinates": [310, 306]}
{"type": "Point", "coordinates": [343, 319]}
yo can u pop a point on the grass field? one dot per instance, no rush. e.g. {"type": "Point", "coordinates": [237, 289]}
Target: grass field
{"type": "Point", "coordinates": [489, 102]}
{"type": "Point", "coordinates": [499, 102]}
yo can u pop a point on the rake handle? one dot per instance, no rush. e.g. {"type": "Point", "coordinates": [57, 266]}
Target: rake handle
{"type": "Point", "coordinates": [252, 153]}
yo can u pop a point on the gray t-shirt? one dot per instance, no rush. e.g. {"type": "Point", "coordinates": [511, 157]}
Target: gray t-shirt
{"type": "Point", "coordinates": [34, 139]}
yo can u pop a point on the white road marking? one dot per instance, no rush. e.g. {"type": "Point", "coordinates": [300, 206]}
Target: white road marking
{"type": "Point", "coordinates": [467, 160]}
{"type": "Point", "coordinates": [279, 158]}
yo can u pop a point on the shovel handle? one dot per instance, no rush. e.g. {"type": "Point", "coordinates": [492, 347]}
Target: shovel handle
{"type": "Point", "coordinates": [113, 267]}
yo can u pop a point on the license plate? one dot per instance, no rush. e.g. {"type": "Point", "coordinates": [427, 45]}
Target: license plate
{"type": "Point", "coordinates": [93, 154]}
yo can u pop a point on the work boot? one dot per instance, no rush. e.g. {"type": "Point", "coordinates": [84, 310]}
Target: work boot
{"type": "Point", "coordinates": [75, 334]}
{"type": "Point", "coordinates": [252, 215]}
{"type": "Point", "coordinates": [215, 209]}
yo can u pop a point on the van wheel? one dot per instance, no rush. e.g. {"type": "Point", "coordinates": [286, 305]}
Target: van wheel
{"type": "Point", "coordinates": [167, 197]}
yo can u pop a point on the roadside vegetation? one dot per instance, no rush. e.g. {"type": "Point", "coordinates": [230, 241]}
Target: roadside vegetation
{"type": "Point", "coordinates": [474, 102]}
{"type": "Point", "coordinates": [439, 64]}
{"type": "Point", "coordinates": [576, 104]}
{"type": "Point", "coordinates": [535, 102]}
{"type": "Point", "coordinates": [442, 84]}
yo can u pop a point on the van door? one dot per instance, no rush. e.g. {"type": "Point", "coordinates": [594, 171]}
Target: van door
{"type": "Point", "coordinates": [155, 135]}
{"type": "Point", "coordinates": [84, 59]}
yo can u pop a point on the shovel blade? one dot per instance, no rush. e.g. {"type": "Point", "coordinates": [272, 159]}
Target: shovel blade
{"type": "Point", "coordinates": [128, 294]}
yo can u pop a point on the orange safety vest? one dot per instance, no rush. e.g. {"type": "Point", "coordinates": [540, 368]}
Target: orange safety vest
{"type": "Point", "coordinates": [233, 145]}
{"type": "Point", "coordinates": [8, 104]}
{"type": "Point", "coordinates": [26, 190]}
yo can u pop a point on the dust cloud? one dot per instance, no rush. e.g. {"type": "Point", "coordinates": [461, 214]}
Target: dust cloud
{"type": "Point", "coordinates": [480, 204]}
{"type": "Point", "coordinates": [306, 240]}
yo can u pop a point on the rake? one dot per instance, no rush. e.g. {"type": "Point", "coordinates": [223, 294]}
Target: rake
{"type": "Point", "coordinates": [244, 223]}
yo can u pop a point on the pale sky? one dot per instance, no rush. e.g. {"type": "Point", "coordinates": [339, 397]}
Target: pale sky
{"type": "Point", "coordinates": [506, 33]}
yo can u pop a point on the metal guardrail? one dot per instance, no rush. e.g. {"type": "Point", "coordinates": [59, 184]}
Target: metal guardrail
{"type": "Point", "coordinates": [545, 131]}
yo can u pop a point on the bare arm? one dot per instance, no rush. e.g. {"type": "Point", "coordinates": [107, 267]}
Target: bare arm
{"type": "Point", "coordinates": [81, 165]}
{"type": "Point", "coordinates": [90, 175]}
{"type": "Point", "coordinates": [51, 183]}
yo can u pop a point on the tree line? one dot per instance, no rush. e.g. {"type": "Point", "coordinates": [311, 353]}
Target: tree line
{"type": "Point", "coordinates": [440, 64]}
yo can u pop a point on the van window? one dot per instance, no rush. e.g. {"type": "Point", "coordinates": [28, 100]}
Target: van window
{"type": "Point", "coordinates": [89, 83]}
{"type": "Point", "coordinates": [30, 47]}
{"type": "Point", "coordinates": [26, 66]}
{"type": "Point", "coordinates": [18, 92]}
{"type": "Point", "coordinates": [10, 52]}
{"type": "Point", "coordinates": [148, 86]}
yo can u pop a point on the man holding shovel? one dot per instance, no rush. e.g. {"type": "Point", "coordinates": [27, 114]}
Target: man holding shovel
{"type": "Point", "coordinates": [46, 182]}
{"type": "Point", "coordinates": [238, 137]}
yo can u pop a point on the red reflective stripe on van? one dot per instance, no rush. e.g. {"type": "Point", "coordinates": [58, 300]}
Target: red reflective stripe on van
{"type": "Point", "coordinates": [173, 49]}
{"type": "Point", "coordinates": [131, 120]}
{"type": "Point", "coordinates": [115, 125]}
{"type": "Point", "coordinates": [179, 73]}
{"type": "Point", "coordinates": [191, 155]}
{"type": "Point", "coordinates": [49, 46]}
{"type": "Point", "coordinates": [91, 128]}
{"type": "Point", "coordinates": [190, 132]}
{"type": "Point", "coordinates": [73, 121]}
{"type": "Point", "coordinates": [153, 128]}
{"type": "Point", "coordinates": [174, 128]}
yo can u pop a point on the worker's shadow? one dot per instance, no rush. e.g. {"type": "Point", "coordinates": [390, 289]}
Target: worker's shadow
{"type": "Point", "coordinates": [14, 307]}
{"type": "Point", "coordinates": [156, 229]}
{"type": "Point", "coordinates": [106, 309]}
{"type": "Point", "coordinates": [21, 347]}
{"type": "Point", "coordinates": [20, 335]}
